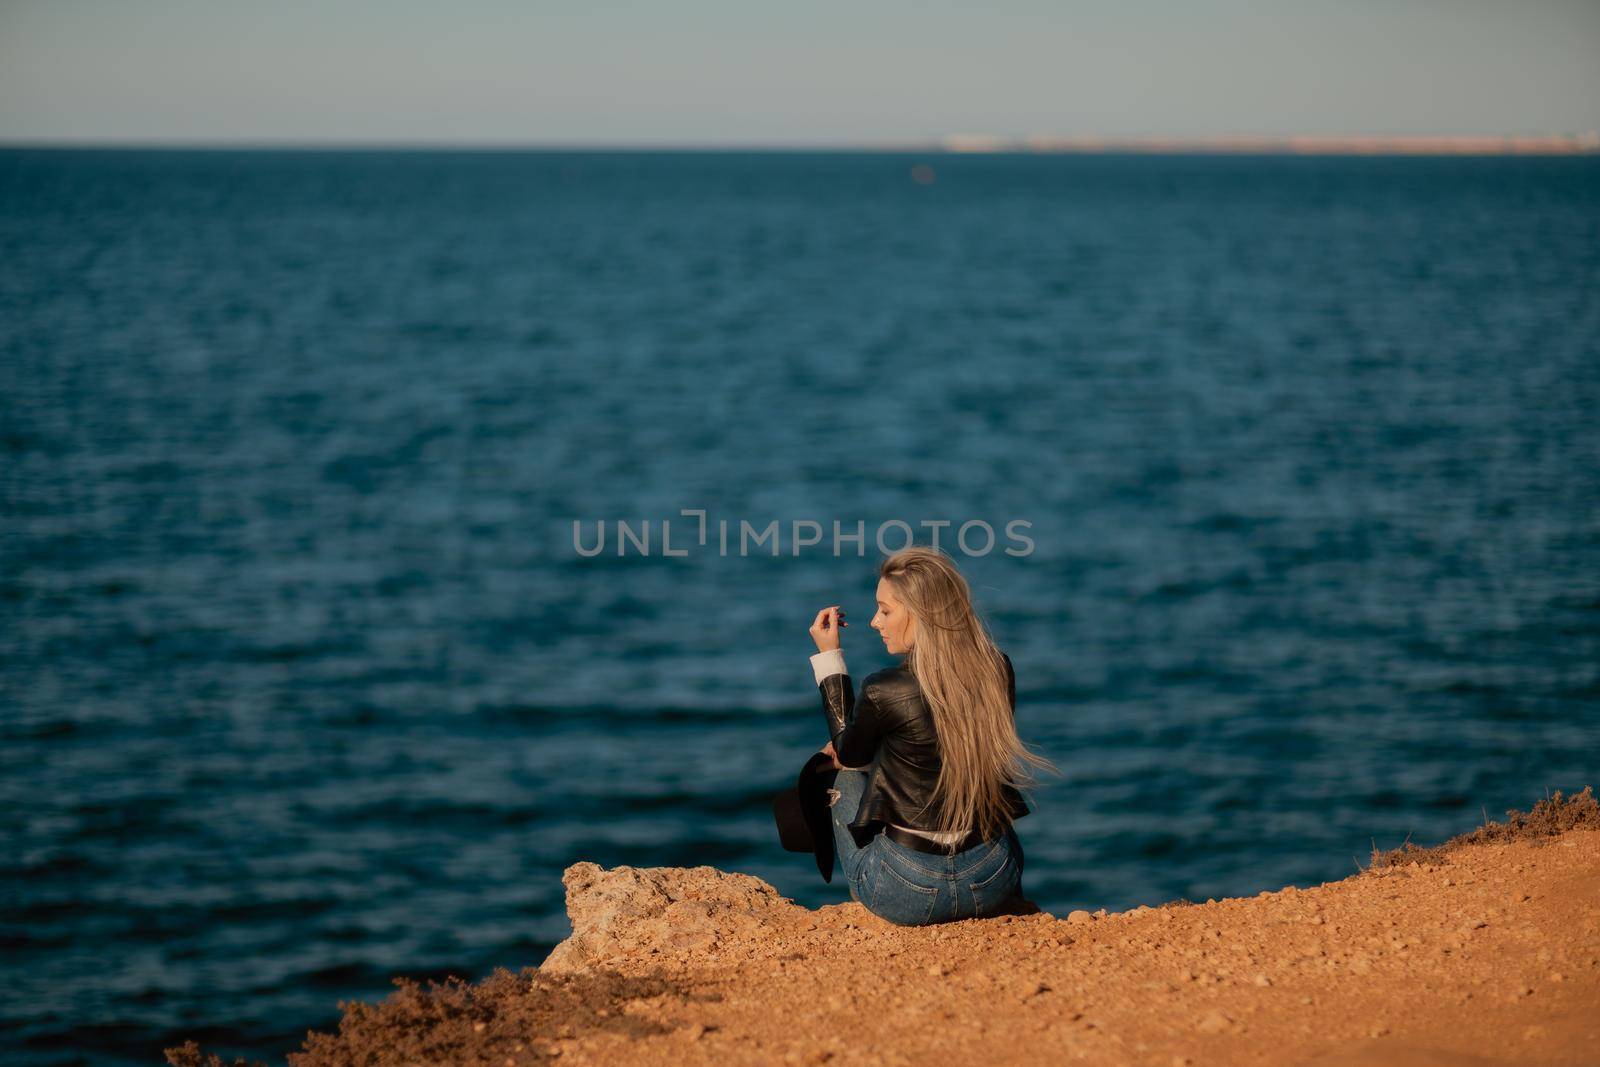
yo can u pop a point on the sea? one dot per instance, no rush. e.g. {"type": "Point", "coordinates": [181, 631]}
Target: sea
{"type": "Point", "coordinates": [382, 532]}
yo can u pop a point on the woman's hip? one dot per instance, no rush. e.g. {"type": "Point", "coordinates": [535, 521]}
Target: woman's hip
{"type": "Point", "coordinates": [914, 888]}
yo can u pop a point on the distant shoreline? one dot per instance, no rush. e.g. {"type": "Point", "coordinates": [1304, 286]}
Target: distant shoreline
{"type": "Point", "coordinates": [1580, 144]}
{"type": "Point", "coordinates": [1297, 145]}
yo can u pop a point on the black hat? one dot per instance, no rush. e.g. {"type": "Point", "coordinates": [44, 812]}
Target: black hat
{"type": "Point", "coordinates": [804, 822]}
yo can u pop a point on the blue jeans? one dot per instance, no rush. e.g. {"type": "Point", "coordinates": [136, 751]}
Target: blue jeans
{"type": "Point", "coordinates": [911, 888]}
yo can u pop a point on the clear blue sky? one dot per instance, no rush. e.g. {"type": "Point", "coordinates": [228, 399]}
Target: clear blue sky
{"type": "Point", "coordinates": [712, 72]}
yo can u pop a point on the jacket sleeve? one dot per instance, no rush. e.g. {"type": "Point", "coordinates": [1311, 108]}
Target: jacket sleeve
{"type": "Point", "coordinates": [855, 726]}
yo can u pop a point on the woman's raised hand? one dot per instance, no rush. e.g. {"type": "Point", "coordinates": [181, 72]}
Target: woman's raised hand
{"type": "Point", "coordinates": [825, 628]}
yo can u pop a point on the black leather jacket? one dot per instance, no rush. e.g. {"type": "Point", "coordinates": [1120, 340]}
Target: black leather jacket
{"type": "Point", "coordinates": [891, 728]}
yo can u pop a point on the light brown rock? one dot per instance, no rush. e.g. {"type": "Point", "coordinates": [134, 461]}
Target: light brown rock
{"type": "Point", "coordinates": [628, 911]}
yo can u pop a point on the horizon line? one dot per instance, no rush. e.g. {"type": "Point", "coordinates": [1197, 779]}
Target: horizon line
{"type": "Point", "coordinates": [1586, 143]}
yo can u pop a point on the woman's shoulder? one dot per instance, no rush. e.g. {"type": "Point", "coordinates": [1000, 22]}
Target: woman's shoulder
{"type": "Point", "coordinates": [891, 683]}
{"type": "Point", "coordinates": [896, 683]}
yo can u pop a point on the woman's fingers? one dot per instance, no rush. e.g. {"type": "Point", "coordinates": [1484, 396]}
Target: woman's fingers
{"type": "Point", "coordinates": [826, 626]}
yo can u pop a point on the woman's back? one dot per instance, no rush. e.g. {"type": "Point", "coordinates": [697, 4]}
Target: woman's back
{"type": "Point", "coordinates": [890, 729]}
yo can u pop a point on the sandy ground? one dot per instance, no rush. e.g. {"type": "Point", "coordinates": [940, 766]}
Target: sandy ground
{"type": "Point", "coordinates": [1483, 951]}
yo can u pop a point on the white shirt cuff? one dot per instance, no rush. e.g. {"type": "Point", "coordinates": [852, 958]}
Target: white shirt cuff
{"type": "Point", "coordinates": [827, 664]}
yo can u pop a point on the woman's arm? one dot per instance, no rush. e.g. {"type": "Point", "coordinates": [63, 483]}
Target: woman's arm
{"type": "Point", "coordinates": [854, 725]}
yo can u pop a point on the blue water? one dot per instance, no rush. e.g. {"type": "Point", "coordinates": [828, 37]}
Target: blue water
{"type": "Point", "coordinates": [304, 685]}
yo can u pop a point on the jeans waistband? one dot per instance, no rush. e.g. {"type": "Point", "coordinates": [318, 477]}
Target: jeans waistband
{"type": "Point", "coordinates": [918, 843]}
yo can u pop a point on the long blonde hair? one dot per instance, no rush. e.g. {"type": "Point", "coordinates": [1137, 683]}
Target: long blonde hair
{"type": "Point", "coordinates": [963, 680]}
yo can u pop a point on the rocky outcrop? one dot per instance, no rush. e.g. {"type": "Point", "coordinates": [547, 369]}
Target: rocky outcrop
{"type": "Point", "coordinates": [637, 912]}
{"type": "Point", "coordinates": [1483, 952]}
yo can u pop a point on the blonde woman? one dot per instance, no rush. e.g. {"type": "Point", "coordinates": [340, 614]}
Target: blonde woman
{"type": "Point", "coordinates": [926, 761]}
